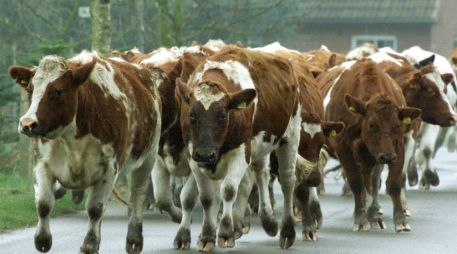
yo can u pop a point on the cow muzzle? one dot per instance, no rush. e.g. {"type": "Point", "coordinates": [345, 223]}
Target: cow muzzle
{"type": "Point", "coordinates": [387, 158]}
{"type": "Point", "coordinates": [28, 127]}
{"type": "Point", "coordinates": [204, 156]}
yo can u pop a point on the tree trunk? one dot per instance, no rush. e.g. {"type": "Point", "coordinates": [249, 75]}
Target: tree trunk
{"type": "Point", "coordinates": [100, 13]}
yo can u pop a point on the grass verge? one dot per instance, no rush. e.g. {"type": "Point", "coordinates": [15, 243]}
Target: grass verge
{"type": "Point", "coordinates": [17, 202]}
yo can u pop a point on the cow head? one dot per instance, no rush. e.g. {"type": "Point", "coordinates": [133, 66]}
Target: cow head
{"type": "Point", "coordinates": [425, 89]}
{"type": "Point", "coordinates": [52, 90]}
{"type": "Point", "coordinates": [207, 113]}
{"type": "Point", "coordinates": [381, 127]}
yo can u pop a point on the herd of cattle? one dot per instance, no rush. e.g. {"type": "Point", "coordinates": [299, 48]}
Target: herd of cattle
{"type": "Point", "coordinates": [226, 117]}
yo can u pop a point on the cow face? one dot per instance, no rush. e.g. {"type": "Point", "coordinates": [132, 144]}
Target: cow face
{"type": "Point", "coordinates": [382, 126]}
{"type": "Point", "coordinates": [426, 90]}
{"type": "Point", "coordinates": [207, 115]}
{"type": "Point", "coordinates": [52, 95]}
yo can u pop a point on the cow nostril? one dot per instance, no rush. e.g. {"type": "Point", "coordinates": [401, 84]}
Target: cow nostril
{"type": "Point", "coordinates": [387, 158]}
{"type": "Point", "coordinates": [451, 120]}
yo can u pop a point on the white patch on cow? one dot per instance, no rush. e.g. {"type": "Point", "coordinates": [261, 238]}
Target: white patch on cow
{"type": "Point", "coordinates": [181, 168]}
{"type": "Point", "coordinates": [205, 95]}
{"type": "Point", "coordinates": [163, 56]}
{"type": "Point", "coordinates": [293, 127]}
{"type": "Point", "coordinates": [274, 47]}
{"type": "Point", "coordinates": [388, 50]}
{"type": "Point", "coordinates": [135, 50]}
{"type": "Point", "coordinates": [234, 161]}
{"type": "Point", "coordinates": [435, 77]}
{"type": "Point", "coordinates": [117, 59]}
{"type": "Point", "coordinates": [311, 128]}
{"type": "Point", "coordinates": [310, 57]}
{"type": "Point", "coordinates": [103, 76]}
{"type": "Point", "coordinates": [324, 48]}
{"type": "Point", "coordinates": [313, 196]}
{"type": "Point", "coordinates": [347, 65]}
{"type": "Point", "coordinates": [49, 69]}
{"type": "Point", "coordinates": [361, 52]}
{"type": "Point", "coordinates": [381, 56]}
{"type": "Point", "coordinates": [234, 71]}
{"type": "Point", "coordinates": [215, 45]}
{"type": "Point", "coordinates": [328, 96]}
{"type": "Point", "coordinates": [260, 148]}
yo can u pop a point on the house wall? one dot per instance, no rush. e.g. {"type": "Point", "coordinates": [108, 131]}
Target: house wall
{"type": "Point", "coordinates": [337, 37]}
{"type": "Point", "coordinates": [445, 30]}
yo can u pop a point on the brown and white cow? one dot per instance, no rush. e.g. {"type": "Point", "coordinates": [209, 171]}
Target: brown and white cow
{"type": "Point", "coordinates": [94, 118]}
{"type": "Point", "coordinates": [166, 65]}
{"type": "Point", "coordinates": [312, 135]}
{"type": "Point", "coordinates": [239, 107]}
{"type": "Point", "coordinates": [371, 104]}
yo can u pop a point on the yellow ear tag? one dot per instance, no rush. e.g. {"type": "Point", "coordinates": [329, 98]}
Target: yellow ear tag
{"type": "Point", "coordinates": [24, 82]}
{"type": "Point", "coordinates": [352, 109]}
{"type": "Point", "coordinates": [242, 105]}
{"type": "Point", "coordinates": [333, 133]}
{"type": "Point", "coordinates": [407, 120]}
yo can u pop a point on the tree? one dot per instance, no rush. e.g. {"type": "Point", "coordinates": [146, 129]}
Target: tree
{"type": "Point", "coordinates": [100, 13]}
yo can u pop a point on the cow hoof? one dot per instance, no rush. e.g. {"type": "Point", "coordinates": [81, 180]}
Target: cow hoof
{"type": "Point", "coordinates": [134, 242]}
{"type": "Point", "coordinates": [182, 239]}
{"type": "Point", "coordinates": [309, 235]}
{"type": "Point", "coordinates": [379, 224]}
{"type": "Point", "coordinates": [43, 242]}
{"type": "Point", "coordinates": [432, 177]}
{"type": "Point", "coordinates": [361, 227]}
{"type": "Point", "coordinates": [424, 184]}
{"type": "Point", "coordinates": [246, 229]}
{"type": "Point", "coordinates": [402, 227]}
{"type": "Point", "coordinates": [269, 224]}
{"type": "Point", "coordinates": [316, 213]}
{"type": "Point", "coordinates": [206, 244]}
{"type": "Point", "coordinates": [413, 177]}
{"type": "Point", "coordinates": [287, 234]}
{"type": "Point", "coordinates": [223, 242]}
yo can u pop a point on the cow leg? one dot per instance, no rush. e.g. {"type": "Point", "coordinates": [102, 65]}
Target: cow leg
{"type": "Point", "coordinates": [309, 226]}
{"type": "Point", "coordinates": [375, 210]}
{"type": "Point", "coordinates": [394, 186]}
{"type": "Point", "coordinates": [162, 191]}
{"type": "Point", "coordinates": [287, 156]}
{"type": "Point", "coordinates": [97, 198]}
{"type": "Point", "coordinates": [355, 180]}
{"type": "Point", "coordinates": [241, 216]}
{"type": "Point", "coordinates": [315, 207]}
{"type": "Point", "coordinates": [236, 170]}
{"type": "Point", "coordinates": [188, 197]}
{"type": "Point", "coordinates": [209, 193]}
{"type": "Point", "coordinates": [271, 191]}
{"type": "Point", "coordinates": [138, 190]}
{"type": "Point", "coordinates": [44, 202]}
{"type": "Point", "coordinates": [269, 223]}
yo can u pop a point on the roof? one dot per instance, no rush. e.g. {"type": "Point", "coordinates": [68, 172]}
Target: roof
{"type": "Point", "coordinates": [370, 11]}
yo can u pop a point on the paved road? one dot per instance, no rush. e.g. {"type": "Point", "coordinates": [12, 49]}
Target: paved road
{"type": "Point", "coordinates": [433, 222]}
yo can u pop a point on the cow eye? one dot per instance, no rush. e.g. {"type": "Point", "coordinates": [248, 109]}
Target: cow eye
{"type": "Point", "coordinates": [222, 118]}
{"type": "Point", "coordinates": [58, 93]}
{"type": "Point", "coordinates": [192, 117]}
{"type": "Point", "coordinates": [372, 127]}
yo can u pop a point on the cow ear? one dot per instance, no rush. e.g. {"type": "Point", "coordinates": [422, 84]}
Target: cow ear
{"type": "Point", "coordinates": [242, 99]}
{"type": "Point", "coordinates": [414, 81]}
{"type": "Point", "coordinates": [81, 74]}
{"type": "Point", "coordinates": [332, 60]}
{"type": "Point", "coordinates": [447, 78]}
{"type": "Point", "coordinates": [20, 74]}
{"type": "Point", "coordinates": [183, 90]}
{"type": "Point", "coordinates": [331, 129]}
{"type": "Point", "coordinates": [407, 115]}
{"type": "Point", "coordinates": [454, 60]}
{"type": "Point", "coordinates": [354, 105]}
{"type": "Point", "coordinates": [425, 62]}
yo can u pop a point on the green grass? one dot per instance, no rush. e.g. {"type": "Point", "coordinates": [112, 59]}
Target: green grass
{"type": "Point", "coordinates": [17, 203]}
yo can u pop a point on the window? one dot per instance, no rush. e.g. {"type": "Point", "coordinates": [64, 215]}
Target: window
{"type": "Point", "coordinates": [379, 41]}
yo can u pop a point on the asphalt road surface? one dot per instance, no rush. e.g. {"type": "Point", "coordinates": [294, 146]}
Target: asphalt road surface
{"type": "Point", "coordinates": [433, 222]}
